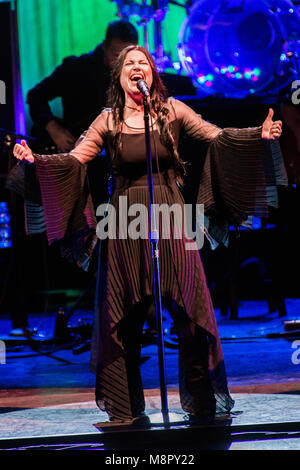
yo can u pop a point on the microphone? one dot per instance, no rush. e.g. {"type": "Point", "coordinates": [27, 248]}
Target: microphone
{"type": "Point", "coordinates": [143, 88]}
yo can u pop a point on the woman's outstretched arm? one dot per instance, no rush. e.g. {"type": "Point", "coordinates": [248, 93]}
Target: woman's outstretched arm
{"type": "Point", "coordinates": [199, 129]}
{"type": "Point", "coordinates": [86, 150]}
{"type": "Point", "coordinates": [193, 125]}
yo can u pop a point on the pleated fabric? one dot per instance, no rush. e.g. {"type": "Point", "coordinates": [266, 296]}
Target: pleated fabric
{"type": "Point", "coordinates": [239, 180]}
{"type": "Point", "coordinates": [22, 180]}
{"type": "Point", "coordinates": [58, 201]}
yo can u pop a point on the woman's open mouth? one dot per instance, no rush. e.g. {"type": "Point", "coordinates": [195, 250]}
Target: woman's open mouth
{"type": "Point", "coordinates": [136, 77]}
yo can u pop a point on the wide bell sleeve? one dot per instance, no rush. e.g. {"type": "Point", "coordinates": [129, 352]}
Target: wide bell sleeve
{"type": "Point", "coordinates": [240, 174]}
{"type": "Point", "coordinates": [57, 196]}
{"type": "Point", "coordinates": [239, 180]}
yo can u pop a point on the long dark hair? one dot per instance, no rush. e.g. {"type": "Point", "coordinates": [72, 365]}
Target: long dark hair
{"type": "Point", "coordinates": [159, 100]}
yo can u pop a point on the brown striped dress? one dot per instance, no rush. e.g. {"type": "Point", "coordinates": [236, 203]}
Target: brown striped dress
{"type": "Point", "coordinates": [239, 180]}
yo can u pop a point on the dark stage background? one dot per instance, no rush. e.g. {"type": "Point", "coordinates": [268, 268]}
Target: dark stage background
{"type": "Point", "coordinates": [258, 258]}
{"type": "Point", "coordinates": [260, 264]}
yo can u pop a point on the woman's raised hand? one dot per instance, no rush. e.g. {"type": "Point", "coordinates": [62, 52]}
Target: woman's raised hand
{"type": "Point", "coordinates": [271, 130]}
{"type": "Point", "coordinates": [23, 152]}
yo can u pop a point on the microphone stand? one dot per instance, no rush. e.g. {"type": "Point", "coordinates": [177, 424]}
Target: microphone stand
{"type": "Point", "coordinates": [154, 238]}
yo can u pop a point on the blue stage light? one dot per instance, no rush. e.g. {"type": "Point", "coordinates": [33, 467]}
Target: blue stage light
{"type": "Point", "coordinates": [249, 47]}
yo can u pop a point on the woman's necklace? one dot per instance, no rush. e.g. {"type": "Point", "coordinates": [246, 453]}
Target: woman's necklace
{"type": "Point", "coordinates": [139, 108]}
{"type": "Point", "coordinates": [138, 128]}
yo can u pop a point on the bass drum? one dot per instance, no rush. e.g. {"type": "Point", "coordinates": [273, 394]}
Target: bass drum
{"type": "Point", "coordinates": [240, 47]}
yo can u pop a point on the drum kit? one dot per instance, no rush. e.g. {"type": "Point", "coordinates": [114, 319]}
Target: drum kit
{"type": "Point", "coordinates": [230, 48]}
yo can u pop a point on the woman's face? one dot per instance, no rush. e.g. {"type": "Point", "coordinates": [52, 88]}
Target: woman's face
{"type": "Point", "coordinates": [135, 67]}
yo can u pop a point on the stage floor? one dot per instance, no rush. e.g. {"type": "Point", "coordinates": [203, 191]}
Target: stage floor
{"type": "Point", "coordinates": [47, 395]}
